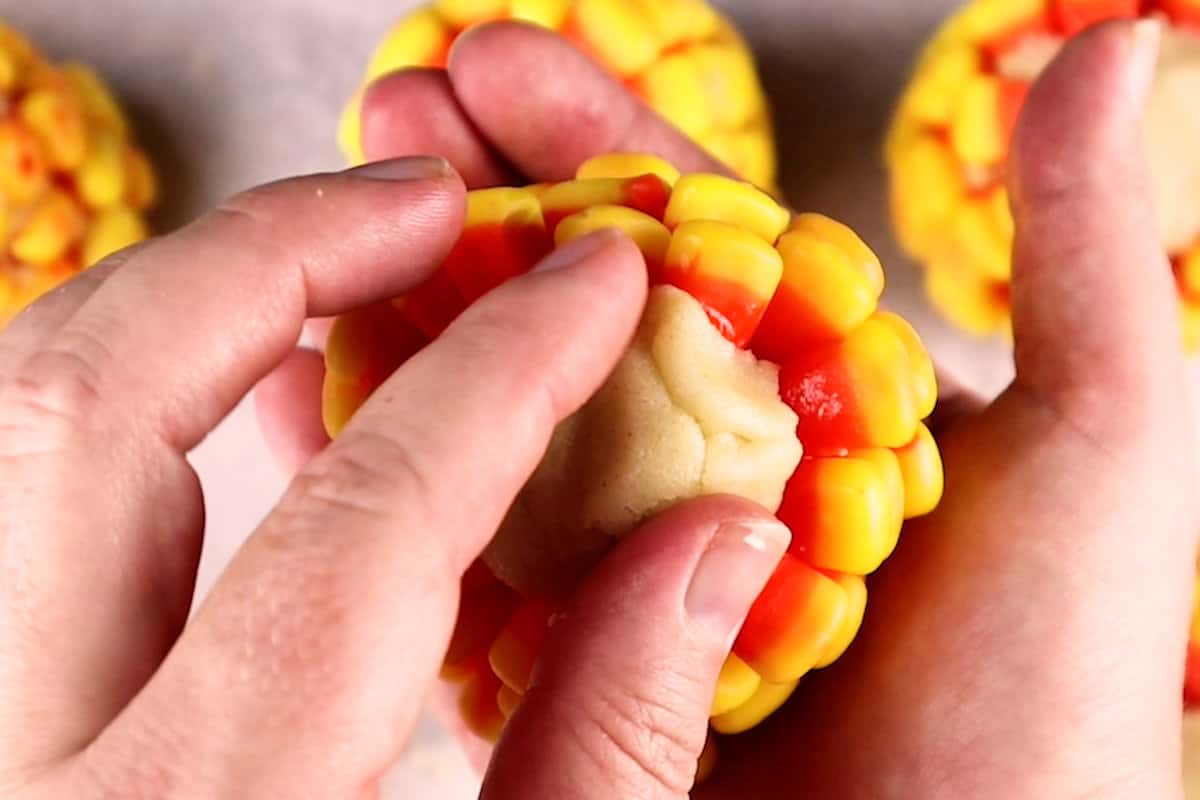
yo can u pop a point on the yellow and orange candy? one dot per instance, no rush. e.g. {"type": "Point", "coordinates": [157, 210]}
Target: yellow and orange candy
{"type": "Point", "coordinates": [802, 293]}
{"type": "Point", "coordinates": [950, 140]}
{"type": "Point", "coordinates": [680, 56]}
{"type": "Point", "coordinates": [73, 186]}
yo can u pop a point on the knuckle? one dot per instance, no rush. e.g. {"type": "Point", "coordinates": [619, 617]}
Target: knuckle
{"type": "Point", "coordinates": [253, 219]}
{"type": "Point", "coordinates": [249, 219]}
{"type": "Point", "coordinates": [103, 269]}
{"type": "Point", "coordinates": [251, 207]}
{"type": "Point", "coordinates": [49, 399]}
{"type": "Point", "coordinates": [365, 474]}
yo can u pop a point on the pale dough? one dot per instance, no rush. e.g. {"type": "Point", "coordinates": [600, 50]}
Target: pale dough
{"type": "Point", "coordinates": [685, 414]}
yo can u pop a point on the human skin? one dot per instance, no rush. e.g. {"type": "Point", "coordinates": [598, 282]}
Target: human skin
{"type": "Point", "coordinates": [1021, 645]}
{"type": "Point", "coordinates": [297, 677]}
{"type": "Point", "coordinates": [1028, 639]}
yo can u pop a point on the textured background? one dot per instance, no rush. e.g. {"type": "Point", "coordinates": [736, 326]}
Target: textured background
{"type": "Point", "coordinates": [230, 93]}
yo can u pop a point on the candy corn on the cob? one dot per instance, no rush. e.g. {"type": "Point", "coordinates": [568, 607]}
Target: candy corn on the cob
{"type": "Point", "coordinates": [950, 140]}
{"type": "Point", "coordinates": [762, 367]}
{"type": "Point", "coordinates": [73, 186]}
{"type": "Point", "coordinates": [680, 56]}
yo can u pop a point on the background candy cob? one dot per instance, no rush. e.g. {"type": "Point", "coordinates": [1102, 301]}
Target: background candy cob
{"type": "Point", "coordinates": [680, 56]}
{"type": "Point", "coordinates": [950, 140]}
{"type": "Point", "coordinates": [73, 186]}
{"type": "Point", "coordinates": [801, 293]}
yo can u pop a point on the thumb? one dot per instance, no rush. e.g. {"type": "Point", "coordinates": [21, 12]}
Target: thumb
{"type": "Point", "coordinates": [1094, 304]}
{"type": "Point", "coordinates": [619, 703]}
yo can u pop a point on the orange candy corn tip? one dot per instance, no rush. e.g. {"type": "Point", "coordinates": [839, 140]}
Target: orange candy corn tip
{"type": "Point", "coordinates": [793, 623]}
{"type": "Point", "coordinates": [831, 284]}
{"type": "Point", "coordinates": [858, 382]}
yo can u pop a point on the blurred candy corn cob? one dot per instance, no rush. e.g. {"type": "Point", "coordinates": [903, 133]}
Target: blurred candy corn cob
{"type": "Point", "coordinates": [680, 56]}
{"type": "Point", "coordinates": [796, 297]}
{"type": "Point", "coordinates": [950, 140]}
{"type": "Point", "coordinates": [73, 186]}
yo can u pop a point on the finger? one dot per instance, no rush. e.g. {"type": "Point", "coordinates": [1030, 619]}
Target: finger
{"type": "Point", "coordinates": [620, 701]}
{"type": "Point", "coordinates": [1099, 351]}
{"type": "Point", "coordinates": [548, 108]}
{"type": "Point", "coordinates": [103, 515]}
{"type": "Point", "coordinates": [1096, 324]}
{"type": "Point", "coordinates": [318, 644]}
{"type": "Point", "coordinates": [288, 405]}
{"type": "Point", "coordinates": [414, 112]}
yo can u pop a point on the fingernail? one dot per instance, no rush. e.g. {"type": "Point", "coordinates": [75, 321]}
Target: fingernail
{"type": "Point", "coordinates": [579, 250]}
{"type": "Point", "coordinates": [732, 572]}
{"type": "Point", "coordinates": [1146, 35]}
{"type": "Point", "coordinates": [414, 168]}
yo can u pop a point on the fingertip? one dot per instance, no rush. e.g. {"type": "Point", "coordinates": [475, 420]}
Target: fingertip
{"type": "Point", "coordinates": [482, 43]}
{"type": "Point", "coordinates": [681, 531]}
{"type": "Point", "coordinates": [548, 107]}
{"type": "Point", "coordinates": [709, 557]}
{"type": "Point", "coordinates": [1084, 107]}
{"type": "Point", "coordinates": [338, 224]}
{"type": "Point", "coordinates": [610, 256]}
{"type": "Point", "coordinates": [1087, 240]}
{"type": "Point", "coordinates": [608, 267]}
{"type": "Point", "coordinates": [392, 103]}
{"type": "Point", "coordinates": [519, 83]}
{"type": "Point", "coordinates": [618, 271]}
{"type": "Point", "coordinates": [630, 668]}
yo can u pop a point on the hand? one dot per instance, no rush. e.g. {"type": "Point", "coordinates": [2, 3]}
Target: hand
{"type": "Point", "coordinates": [303, 672]}
{"type": "Point", "coordinates": [1028, 639]}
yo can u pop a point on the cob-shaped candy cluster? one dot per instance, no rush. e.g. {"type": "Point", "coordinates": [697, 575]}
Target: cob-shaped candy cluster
{"type": "Point", "coordinates": [950, 141]}
{"type": "Point", "coordinates": [681, 56]}
{"type": "Point", "coordinates": [799, 293]}
{"type": "Point", "coordinates": [73, 187]}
